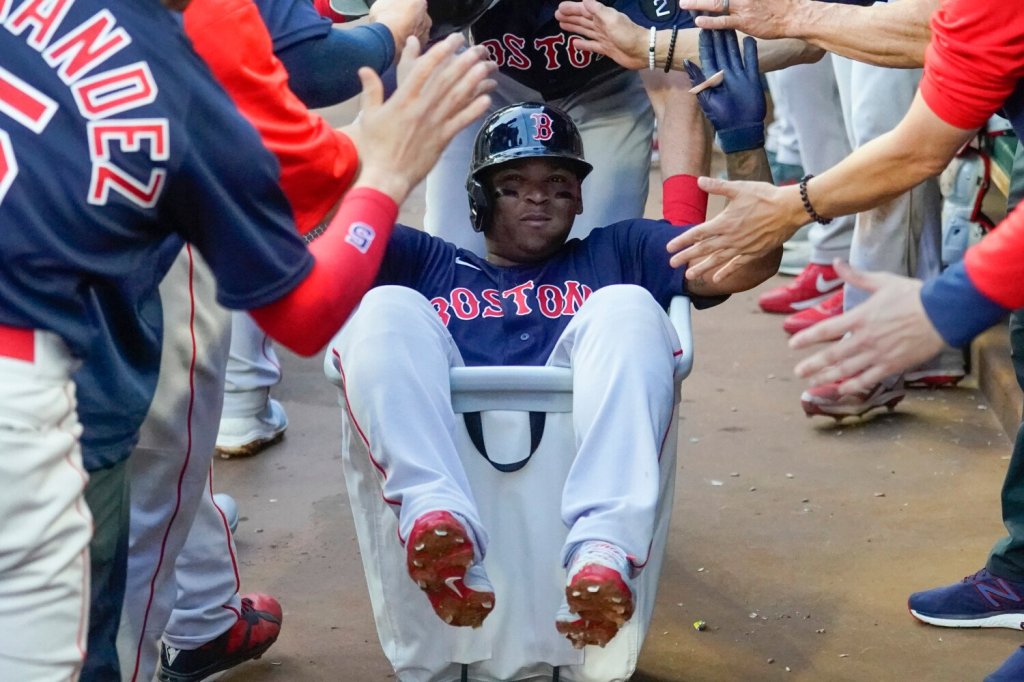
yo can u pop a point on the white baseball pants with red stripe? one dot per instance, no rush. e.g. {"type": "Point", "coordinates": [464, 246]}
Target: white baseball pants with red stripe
{"type": "Point", "coordinates": [182, 580]}
{"type": "Point", "coordinates": [394, 355]}
{"type": "Point", "coordinates": [45, 525]}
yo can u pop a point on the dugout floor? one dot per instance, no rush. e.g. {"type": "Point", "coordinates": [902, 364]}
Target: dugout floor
{"type": "Point", "coordinates": [796, 540]}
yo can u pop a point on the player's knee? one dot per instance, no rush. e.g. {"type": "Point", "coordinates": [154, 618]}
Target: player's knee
{"type": "Point", "coordinates": [622, 297]}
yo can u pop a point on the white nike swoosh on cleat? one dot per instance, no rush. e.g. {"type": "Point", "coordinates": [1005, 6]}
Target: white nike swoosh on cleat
{"type": "Point", "coordinates": [459, 261]}
{"type": "Point", "coordinates": [452, 584]}
{"type": "Point", "coordinates": [823, 285]}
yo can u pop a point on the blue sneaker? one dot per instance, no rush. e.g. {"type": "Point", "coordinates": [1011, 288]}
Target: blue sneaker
{"type": "Point", "coordinates": [1012, 669]}
{"type": "Point", "coordinates": [981, 600]}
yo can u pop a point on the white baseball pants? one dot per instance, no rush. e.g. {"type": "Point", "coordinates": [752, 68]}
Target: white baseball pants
{"type": "Point", "coordinates": [44, 544]}
{"type": "Point", "coordinates": [394, 355]}
{"type": "Point", "coordinates": [179, 544]}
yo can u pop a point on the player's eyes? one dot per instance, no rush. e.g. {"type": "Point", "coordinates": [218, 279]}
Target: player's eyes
{"type": "Point", "coordinates": [506, 192]}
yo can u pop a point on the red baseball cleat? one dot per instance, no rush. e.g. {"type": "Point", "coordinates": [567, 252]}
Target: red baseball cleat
{"type": "Point", "coordinates": [440, 558]}
{"type": "Point", "coordinates": [830, 307]}
{"type": "Point", "coordinates": [826, 400]}
{"type": "Point", "coordinates": [813, 285]}
{"type": "Point", "coordinates": [256, 629]}
{"type": "Point", "coordinates": [598, 596]}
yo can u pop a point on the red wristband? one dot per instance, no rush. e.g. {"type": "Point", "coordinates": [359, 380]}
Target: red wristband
{"type": "Point", "coordinates": [683, 202]}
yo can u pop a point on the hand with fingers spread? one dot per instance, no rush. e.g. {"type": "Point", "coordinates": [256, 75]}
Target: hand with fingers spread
{"type": "Point", "coordinates": [761, 18]}
{"type": "Point", "coordinates": [887, 334]}
{"type": "Point", "coordinates": [440, 93]}
{"type": "Point", "coordinates": [605, 31]}
{"type": "Point", "coordinates": [736, 107]}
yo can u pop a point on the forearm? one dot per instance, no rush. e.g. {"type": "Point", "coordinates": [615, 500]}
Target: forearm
{"type": "Point", "coordinates": [348, 256]}
{"type": "Point", "coordinates": [774, 54]}
{"type": "Point", "coordinates": [684, 135]}
{"type": "Point", "coordinates": [748, 165]}
{"type": "Point", "coordinates": [891, 34]}
{"type": "Point", "coordinates": [323, 71]}
{"type": "Point", "coordinates": [919, 147]}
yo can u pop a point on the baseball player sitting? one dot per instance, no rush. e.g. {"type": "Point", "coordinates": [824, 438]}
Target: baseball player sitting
{"type": "Point", "coordinates": [595, 305]}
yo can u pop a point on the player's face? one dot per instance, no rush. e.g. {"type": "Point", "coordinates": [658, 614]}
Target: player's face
{"type": "Point", "coordinates": [535, 203]}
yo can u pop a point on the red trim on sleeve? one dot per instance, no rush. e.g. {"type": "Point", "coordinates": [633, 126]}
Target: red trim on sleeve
{"type": "Point", "coordinates": [683, 202]}
{"type": "Point", "coordinates": [974, 59]}
{"type": "Point", "coordinates": [995, 265]}
{"type": "Point", "coordinates": [348, 256]}
{"type": "Point", "coordinates": [317, 162]}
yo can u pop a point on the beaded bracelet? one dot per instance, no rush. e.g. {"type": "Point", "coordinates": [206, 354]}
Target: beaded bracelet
{"type": "Point", "coordinates": [650, 48]}
{"type": "Point", "coordinates": [671, 49]}
{"type": "Point", "coordinates": [807, 202]}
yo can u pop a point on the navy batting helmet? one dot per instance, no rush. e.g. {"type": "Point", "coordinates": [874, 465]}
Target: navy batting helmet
{"type": "Point", "coordinates": [520, 131]}
{"type": "Point", "coordinates": [446, 16]}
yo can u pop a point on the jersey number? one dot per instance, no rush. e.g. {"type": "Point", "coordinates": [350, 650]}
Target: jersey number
{"type": "Point", "coordinates": [27, 106]}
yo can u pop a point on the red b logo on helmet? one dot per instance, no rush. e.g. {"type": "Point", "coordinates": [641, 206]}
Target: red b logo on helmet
{"type": "Point", "coordinates": [541, 127]}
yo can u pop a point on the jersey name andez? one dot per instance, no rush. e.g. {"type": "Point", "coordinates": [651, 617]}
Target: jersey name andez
{"type": "Point", "coordinates": [77, 58]}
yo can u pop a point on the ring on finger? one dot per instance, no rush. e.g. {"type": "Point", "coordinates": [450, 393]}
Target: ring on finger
{"type": "Point", "coordinates": [725, 6]}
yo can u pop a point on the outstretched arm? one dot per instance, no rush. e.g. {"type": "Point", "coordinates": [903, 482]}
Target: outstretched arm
{"type": "Point", "coordinates": [609, 32]}
{"type": "Point", "coordinates": [398, 140]}
{"type": "Point", "coordinates": [885, 34]}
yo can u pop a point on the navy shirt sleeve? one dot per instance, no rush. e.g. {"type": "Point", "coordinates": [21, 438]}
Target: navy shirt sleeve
{"type": "Point", "coordinates": [291, 21]}
{"type": "Point", "coordinates": [413, 258]}
{"type": "Point", "coordinates": [323, 69]}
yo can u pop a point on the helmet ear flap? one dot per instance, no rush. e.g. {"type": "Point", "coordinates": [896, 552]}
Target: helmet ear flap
{"type": "Point", "coordinates": [479, 204]}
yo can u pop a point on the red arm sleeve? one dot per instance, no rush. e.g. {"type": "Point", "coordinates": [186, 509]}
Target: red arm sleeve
{"type": "Point", "coordinates": [317, 162]}
{"type": "Point", "coordinates": [974, 59]}
{"type": "Point", "coordinates": [348, 256]}
{"type": "Point", "coordinates": [995, 265]}
{"type": "Point", "coordinates": [683, 202]}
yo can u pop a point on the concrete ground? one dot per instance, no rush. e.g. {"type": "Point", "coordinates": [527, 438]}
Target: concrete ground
{"type": "Point", "coordinates": [797, 541]}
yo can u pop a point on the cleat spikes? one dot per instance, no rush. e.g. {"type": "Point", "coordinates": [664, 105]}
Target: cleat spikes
{"type": "Point", "coordinates": [420, 546]}
{"type": "Point", "coordinates": [440, 532]}
{"type": "Point", "coordinates": [593, 589]}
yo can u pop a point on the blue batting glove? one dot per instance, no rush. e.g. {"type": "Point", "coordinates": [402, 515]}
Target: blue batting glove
{"type": "Point", "coordinates": [736, 107]}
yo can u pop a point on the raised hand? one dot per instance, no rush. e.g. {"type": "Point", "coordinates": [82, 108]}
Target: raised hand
{"type": "Point", "coordinates": [404, 18]}
{"type": "Point", "coordinates": [605, 31]}
{"type": "Point", "coordinates": [736, 107]}
{"type": "Point", "coordinates": [761, 18]}
{"type": "Point", "coordinates": [440, 93]}
{"type": "Point", "coordinates": [885, 335]}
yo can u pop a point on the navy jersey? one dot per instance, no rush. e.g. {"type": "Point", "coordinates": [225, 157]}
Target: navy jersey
{"type": "Point", "coordinates": [116, 144]}
{"type": "Point", "coordinates": [525, 40]}
{"type": "Point", "coordinates": [115, 137]}
{"type": "Point", "coordinates": [514, 315]}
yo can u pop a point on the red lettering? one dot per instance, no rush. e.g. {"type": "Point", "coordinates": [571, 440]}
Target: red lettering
{"type": "Point", "coordinates": [547, 47]}
{"type": "Point", "coordinates": [106, 177]}
{"type": "Point", "coordinates": [551, 300]}
{"type": "Point", "coordinates": [25, 104]}
{"type": "Point", "coordinates": [8, 165]}
{"type": "Point", "coordinates": [575, 295]}
{"type": "Point", "coordinates": [493, 300]}
{"type": "Point", "coordinates": [465, 303]}
{"type": "Point", "coordinates": [578, 58]}
{"type": "Point", "coordinates": [518, 295]}
{"type": "Point", "coordinates": [441, 306]}
{"type": "Point", "coordinates": [517, 59]}
{"type": "Point", "coordinates": [86, 47]}
{"type": "Point", "coordinates": [113, 92]}
{"type": "Point", "coordinates": [495, 51]}
{"type": "Point", "coordinates": [43, 16]}
{"type": "Point", "coordinates": [5, 9]}
{"type": "Point", "coordinates": [129, 134]}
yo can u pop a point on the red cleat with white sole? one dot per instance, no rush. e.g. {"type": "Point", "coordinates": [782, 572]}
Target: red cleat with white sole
{"type": "Point", "coordinates": [830, 307]}
{"type": "Point", "coordinates": [598, 596]}
{"type": "Point", "coordinates": [440, 559]}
